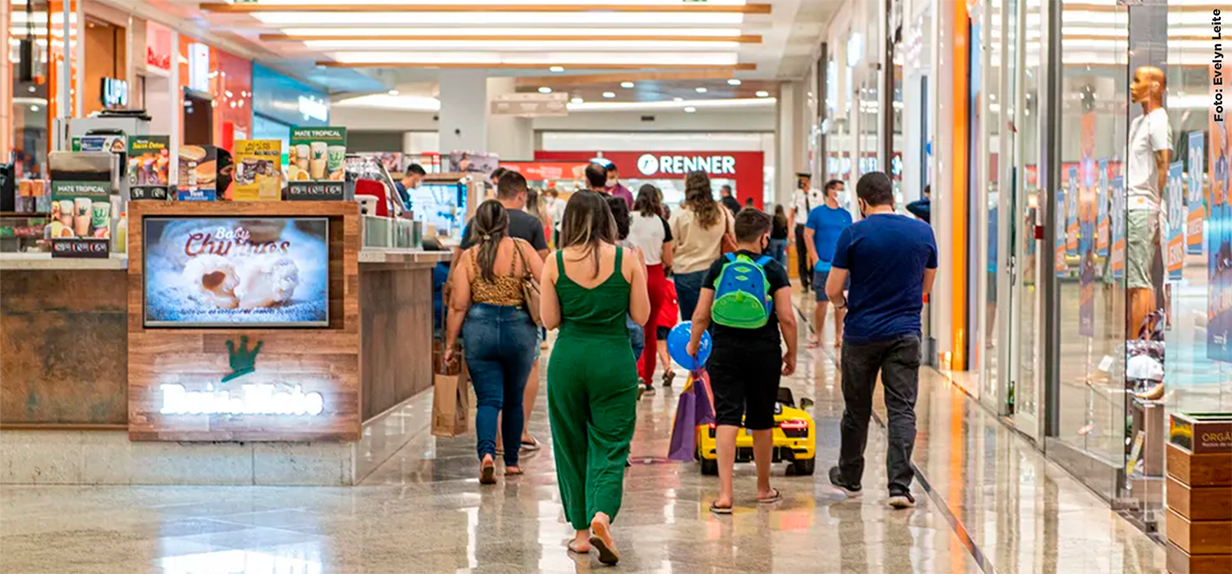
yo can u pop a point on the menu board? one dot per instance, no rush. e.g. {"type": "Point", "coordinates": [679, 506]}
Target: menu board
{"type": "Point", "coordinates": [258, 171]}
{"type": "Point", "coordinates": [149, 167]}
{"type": "Point", "coordinates": [80, 219]}
{"type": "Point", "coordinates": [316, 166]}
{"type": "Point", "coordinates": [198, 173]}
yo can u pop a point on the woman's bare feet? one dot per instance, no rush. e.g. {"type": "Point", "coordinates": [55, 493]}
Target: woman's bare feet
{"type": "Point", "coordinates": [601, 539]}
{"type": "Point", "coordinates": [513, 471]}
{"type": "Point", "coordinates": [487, 470]}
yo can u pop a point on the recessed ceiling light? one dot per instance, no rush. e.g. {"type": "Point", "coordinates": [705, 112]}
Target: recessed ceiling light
{"type": "Point", "coordinates": [689, 109]}
{"type": "Point", "coordinates": [557, 69]}
{"type": "Point", "coordinates": [763, 94]}
{"type": "Point", "coordinates": [626, 85]}
{"type": "Point", "coordinates": [393, 92]}
{"type": "Point", "coordinates": [577, 100]}
{"type": "Point", "coordinates": [702, 90]}
{"type": "Point", "coordinates": [677, 99]}
{"type": "Point", "coordinates": [34, 108]}
{"type": "Point", "coordinates": [609, 94]}
{"type": "Point", "coordinates": [545, 90]}
{"type": "Point", "coordinates": [734, 82]}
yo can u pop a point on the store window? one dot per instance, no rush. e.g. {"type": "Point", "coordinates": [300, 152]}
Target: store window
{"type": "Point", "coordinates": [28, 53]}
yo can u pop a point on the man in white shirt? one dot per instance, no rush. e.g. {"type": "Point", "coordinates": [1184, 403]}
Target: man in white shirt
{"type": "Point", "coordinates": [803, 200]}
{"type": "Point", "coordinates": [556, 210]}
{"type": "Point", "coordinates": [1150, 150]}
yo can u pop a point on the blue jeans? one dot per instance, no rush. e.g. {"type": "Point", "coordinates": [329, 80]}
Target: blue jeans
{"type": "Point", "coordinates": [637, 337]}
{"type": "Point", "coordinates": [778, 250]}
{"type": "Point", "coordinates": [500, 344]}
{"type": "Point", "coordinates": [688, 290]}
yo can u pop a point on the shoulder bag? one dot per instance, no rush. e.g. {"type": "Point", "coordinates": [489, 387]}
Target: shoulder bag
{"type": "Point", "coordinates": [530, 287]}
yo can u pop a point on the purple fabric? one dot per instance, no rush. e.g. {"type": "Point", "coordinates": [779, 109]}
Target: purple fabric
{"type": "Point", "coordinates": [619, 190]}
{"type": "Point", "coordinates": [692, 410]}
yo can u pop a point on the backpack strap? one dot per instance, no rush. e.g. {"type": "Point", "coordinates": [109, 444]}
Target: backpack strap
{"type": "Point", "coordinates": [731, 257]}
{"type": "Point", "coordinates": [763, 260]}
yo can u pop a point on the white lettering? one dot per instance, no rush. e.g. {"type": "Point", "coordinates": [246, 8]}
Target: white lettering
{"type": "Point", "coordinates": [680, 164]}
{"type": "Point", "coordinates": [729, 164]}
{"type": "Point", "coordinates": [665, 164]}
{"type": "Point", "coordinates": [677, 164]}
{"type": "Point", "coordinates": [255, 399]}
{"type": "Point", "coordinates": [314, 109]}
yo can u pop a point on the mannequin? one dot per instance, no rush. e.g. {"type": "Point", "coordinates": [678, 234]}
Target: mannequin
{"type": "Point", "coordinates": [1150, 151]}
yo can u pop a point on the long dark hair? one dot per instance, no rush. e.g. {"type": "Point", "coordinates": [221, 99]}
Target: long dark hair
{"type": "Point", "coordinates": [587, 223]}
{"type": "Point", "coordinates": [649, 201]}
{"type": "Point", "coordinates": [620, 216]}
{"type": "Point", "coordinates": [489, 228]}
{"type": "Point", "coordinates": [699, 198]}
{"type": "Point", "coordinates": [780, 216]}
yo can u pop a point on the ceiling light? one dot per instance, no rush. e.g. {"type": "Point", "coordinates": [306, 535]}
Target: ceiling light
{"type": "Point", "coordinates": [384, 101]}
{"type": "Point", "coordinates": [531, 59]}
{"type": "Point", "coordinates": [545, 90]}
{"type": "Point", "coordinates": [763, 94]}
{"type": "Point", "coordinates": [626, 85]}
{"type": "Point", "coordinates": [734, 82]}
{"type": "Point", "coordinates": [689, 109]}
{"type": "Point", "coordinates": [666, 105]}
{"type": "Point", "coordinates": [677, 99]}
{"type": "Point", "coordinates": [702, 90]}
{"type": "Point", "coordinates": [556, 69]}
{"type": "Point", "coordinates": [609, 94]}
{"type": "Point", "coordinates": [393, 92]}
{"type": "Point", "coordinates": [34, 108]}
{"type": "Point", "coordinates": [577, 100]}
{"type": "Point", "coordinates": [461, 18]}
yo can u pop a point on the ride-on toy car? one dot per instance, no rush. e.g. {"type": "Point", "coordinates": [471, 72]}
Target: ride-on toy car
{"type": "Point", "coordinates": [795, 438]}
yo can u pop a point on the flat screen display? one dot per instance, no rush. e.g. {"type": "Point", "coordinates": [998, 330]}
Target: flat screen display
{"type": "Point", "coordinates": [442, 206]}
{"type": "Point", "coordinates": [222, 272]}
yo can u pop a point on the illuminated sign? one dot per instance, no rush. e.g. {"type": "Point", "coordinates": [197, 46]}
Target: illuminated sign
{"type": "Point", "coordinates": [114, 93]}
{"type": "Point", "coordinates": [313, 108]}
{"type": "Point", "coordinates": [254, 399]}
{"type": "Point", "coordinates": [650, 164]}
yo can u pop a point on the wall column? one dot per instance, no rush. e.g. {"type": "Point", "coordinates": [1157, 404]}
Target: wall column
{"type": "Point", "coordinates": [464, 111]}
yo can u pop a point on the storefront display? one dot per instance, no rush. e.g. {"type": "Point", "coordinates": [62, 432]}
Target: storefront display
{"type": "Point", "coordinates": [742, 170]}
{"type": "Point", "coordinates": [316, 167]}
{"type": "Point", "coordinates": [80, 222]}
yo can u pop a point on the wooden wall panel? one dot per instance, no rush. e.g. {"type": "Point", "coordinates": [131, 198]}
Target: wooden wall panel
{"type": "Point", "coordinates": [322, 360]}
{"type": "Point", "coordinates": [397, 334]}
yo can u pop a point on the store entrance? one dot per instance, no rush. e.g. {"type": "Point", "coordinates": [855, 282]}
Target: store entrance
{"type": "Point", "coordinates": [198, 118]}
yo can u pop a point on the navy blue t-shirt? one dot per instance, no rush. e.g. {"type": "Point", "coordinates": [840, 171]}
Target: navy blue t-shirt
{"type": "Point", "coordinates": [886, 255]}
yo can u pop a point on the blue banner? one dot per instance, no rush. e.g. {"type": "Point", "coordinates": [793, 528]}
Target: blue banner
{"type": "Point", "coordinates": [1197, 207]}
{"type": "Point", "coordinates": [1174, 248]}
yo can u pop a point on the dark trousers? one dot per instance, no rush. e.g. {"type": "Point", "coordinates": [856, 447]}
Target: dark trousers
{"type": "Point", "coordinates": [898, 361]}
{"type": "Point", "coordinates": [802, 262]}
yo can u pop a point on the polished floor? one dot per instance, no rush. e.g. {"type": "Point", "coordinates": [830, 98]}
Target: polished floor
{"type": "Point", "coordinates": [988, 503]}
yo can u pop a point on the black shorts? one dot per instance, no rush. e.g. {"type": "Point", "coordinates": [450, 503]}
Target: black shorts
{"type": "Point", "coordinates": [746, 386]}
{"type": "Point", "coordinates": [661, 332]}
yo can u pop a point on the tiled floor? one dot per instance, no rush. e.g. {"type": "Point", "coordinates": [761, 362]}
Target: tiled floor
{"type": "Point", "coordinates": [993, 504]}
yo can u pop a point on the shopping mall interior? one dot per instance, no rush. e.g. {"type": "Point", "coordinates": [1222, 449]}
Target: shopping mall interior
{"type": "Point", "coordinates": [325, 164]}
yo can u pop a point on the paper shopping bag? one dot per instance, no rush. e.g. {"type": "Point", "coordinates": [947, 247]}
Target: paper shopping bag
{"type": "Point", "coordinates": [450, 399]}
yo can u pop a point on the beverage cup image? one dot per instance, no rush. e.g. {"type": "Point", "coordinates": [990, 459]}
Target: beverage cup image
{"type": "Point", "coordinates": [302, 156]}
{"type": "Point", "coordinates": [337, 157]}
{"type": "Point", "coordinates": [318, 169]}
{"type": "Point", "coordinates": [319, 150]}
{"type": "Point", "coordinates": [66, 212]}
{"type": "Point", "coordinates": [100, 214]}
{"type": "Point", "coordinates": [81, 216]}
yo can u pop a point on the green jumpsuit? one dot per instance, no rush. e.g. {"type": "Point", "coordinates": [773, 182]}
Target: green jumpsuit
{"type": "Point", "coordinates": [592, 395]}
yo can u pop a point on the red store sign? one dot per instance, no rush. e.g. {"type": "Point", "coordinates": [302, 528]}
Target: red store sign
{"type": "Point", "coordinates": [744, 168]}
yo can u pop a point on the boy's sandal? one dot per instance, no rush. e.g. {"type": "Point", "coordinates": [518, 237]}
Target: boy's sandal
{"type": "Point", "coordinates": [716, 509]}
{"type": "Point", "coordinates": [773, 498]}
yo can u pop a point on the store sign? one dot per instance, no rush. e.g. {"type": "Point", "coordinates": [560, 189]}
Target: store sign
{"type": "Point", "coordinates": [286, 100]}
{"type": "Point", "coordinates": [650, 164]}
{"type": "Point", "coordinates": [114, 93]}
{"type": "Point", "coordinates": [313, 109]}
{"type": "Point", "coordinates": [253, 399]}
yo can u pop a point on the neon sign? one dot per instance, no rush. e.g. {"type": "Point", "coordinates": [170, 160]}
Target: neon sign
{"type": "Point", "coordinates": [253, 399]}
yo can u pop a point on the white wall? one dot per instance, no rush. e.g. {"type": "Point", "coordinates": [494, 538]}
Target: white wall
{"type": "Point", "coordinates": [759, 119]}
{"type": "Point", "coordinates": [369, 119]}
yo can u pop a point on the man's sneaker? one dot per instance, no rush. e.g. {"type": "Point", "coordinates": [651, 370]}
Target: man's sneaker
{"type": "Point", "coordinates": [836, 478]}
{"type": "Point", "coordinates": [901, 500]}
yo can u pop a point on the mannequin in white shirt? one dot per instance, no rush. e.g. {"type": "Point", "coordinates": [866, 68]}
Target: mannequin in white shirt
{"type": "Point", "coordinates": [1150, 151]}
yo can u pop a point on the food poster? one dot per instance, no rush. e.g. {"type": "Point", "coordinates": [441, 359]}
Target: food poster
{"type": "Point", "coordinates": [199, 178]}
{"type": "Point", "coordinates": [1116, 257]}
{"type": "Point", "coordinates": [80, 223]}
{"type": "Point", "coordinates": [1071, 213]}
{"type": "Point", "coordinates": [113, 144]}
{"type": "Point", "coordinates": [316, 167]}
{"type": "Point", "coordinates": [1059, 264]}
{"type": "Point", "coordinates": [1197, 208]}
{"type": "Point", "coordinates": [1175, 246]}
{"type": "Point", "coordinates": [149, 167]}
{"type": "Point", "coordinates": [258, 170]}
{"type": "Point", "coordinates": [1103, 227]}
{"type": "Point", "coordinates": [470, 162]}
{"type": "Point", "coordinates": [224, 272]}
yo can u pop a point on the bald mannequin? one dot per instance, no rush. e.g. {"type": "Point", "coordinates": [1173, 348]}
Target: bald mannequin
{"type": "Point", "coordinates": [1150, 150]}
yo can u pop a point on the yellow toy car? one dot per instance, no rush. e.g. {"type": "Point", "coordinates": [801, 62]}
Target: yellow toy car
{"type": "Point", "coordinates": [795, 439]}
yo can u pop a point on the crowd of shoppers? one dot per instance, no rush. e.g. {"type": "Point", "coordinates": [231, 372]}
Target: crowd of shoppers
{"type": "Point", "coordinates": [608, 291]}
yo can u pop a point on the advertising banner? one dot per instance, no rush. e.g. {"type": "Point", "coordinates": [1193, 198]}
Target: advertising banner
{"type": "Point", "coordinates": [1103, 227]}
{"type": "Point", "coordinates": [199, 177]}
{"type": "Point", "coordinates": [149, 167]}
{"type": "Point", "coordinates": [1071, 213]}
{"type": "Point", "coordinates": [258, 173]}
{"type": "Point", "coordinates": [80, 219]}
{"type": "Point", "coordinates": [1058, 260]}
{"type": "Point", "coordinates": [1116, 259]}
{"type": "Point", "coordinates": [1175, 246]}
{"type": "Point", "coordinates": [113, 144]}
{"type": "Point", "coordinates": [1218, 235]}
{"type": "Point", "coordinates": [1196, 201]}
{"type": "Point", "coordinates": [317, 163]}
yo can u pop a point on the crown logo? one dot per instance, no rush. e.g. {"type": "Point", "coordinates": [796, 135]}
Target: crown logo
{"type": "Point", "coordinates": [243, 360]}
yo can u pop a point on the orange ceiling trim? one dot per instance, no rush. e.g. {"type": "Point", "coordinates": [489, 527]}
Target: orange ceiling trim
{"type": "Point", "coordinates": [744, 39]}
{"type": "Point", "coordinates": [219, 7]}
{"type": "Point", "coordinates": [434, 65]}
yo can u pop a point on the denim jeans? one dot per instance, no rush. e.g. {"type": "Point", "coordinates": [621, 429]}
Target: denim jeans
{"type": "Point", "coordinates": [778, 250]}
{"type": "Point", "coordinates": [500, 344]}
{"type": "Point", "coordinates": [898, 361]}
{"type": "Point", "coordinates": [688, 290]}
{"type": "Point", "coordinates": [637, 337]}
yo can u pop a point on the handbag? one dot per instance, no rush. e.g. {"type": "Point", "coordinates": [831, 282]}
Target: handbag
{"type": "Point", "coordinates": [530, 289]}
{"type": "Point", "coordinates": [729, 240]}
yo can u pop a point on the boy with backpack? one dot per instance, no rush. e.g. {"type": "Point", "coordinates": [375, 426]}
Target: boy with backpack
{"type": "Point", "coordinates": [747, 296]}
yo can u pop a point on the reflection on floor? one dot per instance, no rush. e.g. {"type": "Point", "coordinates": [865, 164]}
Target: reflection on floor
{"type": "Point", "coordinates": [993, 504]}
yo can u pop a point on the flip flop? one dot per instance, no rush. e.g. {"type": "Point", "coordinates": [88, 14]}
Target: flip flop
{"type": "Point", "coordinates": [716, 509]}
{"type": "Point", "coordinates": [531, 446]}
{"type": "Point", "coordinates": [518, 472]}
{"type": "Point", "coordinates": [571, 546]}
{"type": "Point", "coordinates": [776, 497]}
{"type": "Point", "coordinates": [607, 552]}
{"type": "Point", "coordinates": [487, 474]}
{"type": "Point", "coordinates": [814, 344]}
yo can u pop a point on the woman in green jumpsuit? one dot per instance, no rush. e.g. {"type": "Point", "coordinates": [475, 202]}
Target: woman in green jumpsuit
{"type": "Point", "coordinates": [588, 288]}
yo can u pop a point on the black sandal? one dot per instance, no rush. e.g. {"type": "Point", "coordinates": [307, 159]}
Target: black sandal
{"type": "Point", "coordinates": [723, 510]}
{"type": "Point", "coordinates": [572, 547]}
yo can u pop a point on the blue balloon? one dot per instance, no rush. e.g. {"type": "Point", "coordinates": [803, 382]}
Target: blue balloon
{"type": "Point", "coordinates": [678, 344]}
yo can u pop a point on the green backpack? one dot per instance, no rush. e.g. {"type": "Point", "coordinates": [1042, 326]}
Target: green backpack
{"type": "Point", "coordinates": [742, 293]}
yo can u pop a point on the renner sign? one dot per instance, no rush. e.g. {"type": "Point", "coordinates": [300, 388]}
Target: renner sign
{"type": "Point", "coordinates": [650, 164]}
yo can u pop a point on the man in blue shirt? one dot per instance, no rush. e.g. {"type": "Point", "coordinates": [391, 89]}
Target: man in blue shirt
{"type": "Point", "coordinates": [891, 261]}
{"type": "Point", "coordinates": [825, 223]}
